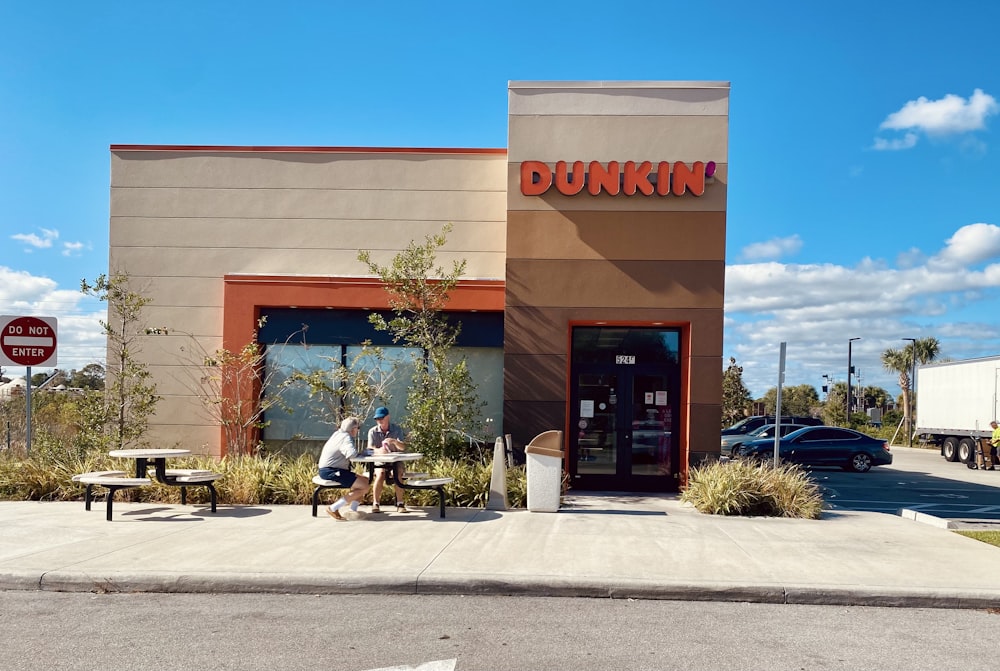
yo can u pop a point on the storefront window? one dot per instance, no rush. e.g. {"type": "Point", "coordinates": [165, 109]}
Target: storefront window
{"type": "Point", "coordinates": [301, 417]}
{"type": "Point", "coordinates": [486, 368]}
{"type": "Point", "coordinates": [302, 422]}
{"type": "Point", "coordinates": [296, 415]}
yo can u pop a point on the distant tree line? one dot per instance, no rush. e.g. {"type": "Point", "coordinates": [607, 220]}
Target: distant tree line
{"type": "Point", "coordinates": [90, 376]}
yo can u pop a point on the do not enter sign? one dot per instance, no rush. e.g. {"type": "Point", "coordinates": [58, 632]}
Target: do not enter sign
{"type": "Point", "coordinates": [28, 341]}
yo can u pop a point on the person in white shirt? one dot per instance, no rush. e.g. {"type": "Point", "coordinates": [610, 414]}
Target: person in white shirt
{"type": "Point", "coordinates": [335, 464]}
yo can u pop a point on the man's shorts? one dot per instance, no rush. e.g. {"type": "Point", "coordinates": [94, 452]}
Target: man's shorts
{"type": "Point", "coordinates": [338, 475]}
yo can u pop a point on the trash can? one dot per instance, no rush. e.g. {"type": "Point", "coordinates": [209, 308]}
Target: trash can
{"type": "Point", "coordinates": [544, 458]}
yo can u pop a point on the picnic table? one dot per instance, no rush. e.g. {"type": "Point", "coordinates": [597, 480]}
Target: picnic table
{"type": "Point", "coordinates": [114, 481]}
{"type": "Point", "coordinates": [394, 461]}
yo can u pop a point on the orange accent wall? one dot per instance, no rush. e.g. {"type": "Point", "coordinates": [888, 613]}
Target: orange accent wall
{"type": "Point", "coordinates": [245, 295]}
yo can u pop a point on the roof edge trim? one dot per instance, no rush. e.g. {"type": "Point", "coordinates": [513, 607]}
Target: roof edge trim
{"type": "Point", "coordinates": [305, 150]}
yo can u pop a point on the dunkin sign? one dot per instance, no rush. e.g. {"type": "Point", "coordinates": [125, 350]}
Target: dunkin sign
{"type": "Point", "coordinates": [628, 179]}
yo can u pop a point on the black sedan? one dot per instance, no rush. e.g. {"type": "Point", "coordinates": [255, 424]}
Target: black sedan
{"type": "Point", "coordinates": [823, 446]}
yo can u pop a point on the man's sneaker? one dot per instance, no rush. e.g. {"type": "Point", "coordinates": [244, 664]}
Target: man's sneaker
{"type": "Point", "coordinates": [354, 515]}
{"type": "Point", "coordinates": [335, 514]}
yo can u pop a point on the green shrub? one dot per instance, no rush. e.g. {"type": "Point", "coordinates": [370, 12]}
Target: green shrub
{"type": "Point", "coordinates": [743, 487]}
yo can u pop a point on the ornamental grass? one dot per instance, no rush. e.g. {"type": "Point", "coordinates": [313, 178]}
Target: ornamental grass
{"type": "Point", "coordinates": [748, 488]}
{"type": "Point", "coordinates": [267, 479]}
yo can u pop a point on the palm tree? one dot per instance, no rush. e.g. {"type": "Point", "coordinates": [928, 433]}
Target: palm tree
{"type": "Point", "coordinates": [923, 350]}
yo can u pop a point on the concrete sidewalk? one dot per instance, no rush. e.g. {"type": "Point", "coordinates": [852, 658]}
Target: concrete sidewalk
{"type": "Point", "coordinates": [600, 546]}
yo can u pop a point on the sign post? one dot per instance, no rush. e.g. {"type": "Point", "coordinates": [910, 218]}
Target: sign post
{"type": "Point", "coordinates": [28, 341]}
{"type": "Point", "coordinates": [777, 410]}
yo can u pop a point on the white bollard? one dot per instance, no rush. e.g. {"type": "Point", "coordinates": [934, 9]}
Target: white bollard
{"type": "Point", "coordinates": [498, 479]}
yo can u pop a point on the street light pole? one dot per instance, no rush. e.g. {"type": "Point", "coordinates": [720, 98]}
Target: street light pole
{"type": "Point", "coordinates": [850, 370]}
{"type": "Point", "coordinates": [913, 386]}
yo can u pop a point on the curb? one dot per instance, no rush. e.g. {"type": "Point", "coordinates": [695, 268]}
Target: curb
{"type": "Point", "coordinates": [260, 583]}
{"type": "Point", "coordinates": [924, 518]}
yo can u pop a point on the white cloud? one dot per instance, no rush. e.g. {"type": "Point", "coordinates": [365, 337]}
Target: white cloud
{"type": "Point", "coordinates": [973, 145]}
{"type": "Point", "coordinates": [815, 308]}
{"type": "Point", "coordinates": [81, 340]}
{"type": "Point", "coordinates": [828, 288]}
{"type": "Point", "coordinates": [20, 287]}
{"type": "Point", "coordinates": [73, 248]}
{"type": "Point", "coordinates": [906, 142]}
{"type": "Point", "coordinates": [910, 258]}
{"type": "Point", "coordinates": [970, 244]}
{"type": "Point", "coordinates": [772, 249]}
{"type": "Point", "coordinates": [39, 242]}
{"type": "Point", "coordinates": [951, 114]}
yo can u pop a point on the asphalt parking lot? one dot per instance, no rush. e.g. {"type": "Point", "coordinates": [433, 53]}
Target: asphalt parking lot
{"type": "Point", "coordinates": [921, 480]}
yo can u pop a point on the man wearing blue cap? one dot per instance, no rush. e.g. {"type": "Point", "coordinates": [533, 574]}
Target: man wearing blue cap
{"type": "Point", "coordinates": [385, 437]}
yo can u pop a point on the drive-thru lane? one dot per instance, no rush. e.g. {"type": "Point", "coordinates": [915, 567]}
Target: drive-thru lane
{"type": "Point", "coordinates": [919, 480]}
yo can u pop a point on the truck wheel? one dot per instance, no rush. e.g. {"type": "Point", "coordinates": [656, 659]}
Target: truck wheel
{"type": "Point", "coordinates": [861, 462]}
{"type": "Point", "coordinates": [966, 451]}
{"type": "Point", "coordinates": [949, 449]}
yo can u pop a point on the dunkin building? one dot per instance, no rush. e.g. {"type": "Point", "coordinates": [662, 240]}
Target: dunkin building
{"type": "Point", "coordinates": [592, 299]}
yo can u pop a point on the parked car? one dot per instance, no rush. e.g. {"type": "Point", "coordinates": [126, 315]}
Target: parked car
{"type": "Point", "coordinates": [650, 442]}
{"type": "Point", "coordinates": [733, 441]}
{"type": "Point", "coordinates": [823, 446]}
{"type": "Point", "coordinates": [748, 424]}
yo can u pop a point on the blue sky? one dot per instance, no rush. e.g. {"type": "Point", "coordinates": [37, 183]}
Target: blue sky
{"type": "Point", "coordinates": [864, 146]}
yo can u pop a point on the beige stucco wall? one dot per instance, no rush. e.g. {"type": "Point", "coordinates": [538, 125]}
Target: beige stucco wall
{"type": "Point", "coordinates": [184, 217]}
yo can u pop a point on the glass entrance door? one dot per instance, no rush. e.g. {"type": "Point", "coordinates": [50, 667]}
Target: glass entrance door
{"type": "Point", "coordinates": [624, 406]}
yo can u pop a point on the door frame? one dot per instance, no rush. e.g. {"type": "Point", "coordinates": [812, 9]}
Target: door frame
{"type": "Point", "coordinates": [679, 406]}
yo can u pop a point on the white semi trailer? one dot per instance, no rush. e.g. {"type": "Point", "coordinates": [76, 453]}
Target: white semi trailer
{"type": "Point", "coordinates": [956, 401]}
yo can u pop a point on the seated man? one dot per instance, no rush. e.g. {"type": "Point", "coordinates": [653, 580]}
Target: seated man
{"type": "Point", "coordinates": [383, 438]}
{"type": "Point", "coordinates": [335, 464]}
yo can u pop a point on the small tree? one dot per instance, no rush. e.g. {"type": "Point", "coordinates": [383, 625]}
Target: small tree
{"type": "Point", "coordinates": [443, 397]}
{"type": "Point", "coordinates": [233, 385]}
{"type": "Point", "coordinates": [122, 411]}
{"type": "Point", "coordinates": [236, 388]}
{"type": "Point", "coordinates": [835, 407]}
{"type": "Point", "coordinates": [736, 397]}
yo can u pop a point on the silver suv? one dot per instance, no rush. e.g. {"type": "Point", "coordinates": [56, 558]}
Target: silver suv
{"type": "Point", "coordinates": [748, 424]}
{"type": "Point", "coordinates": [738, 432]}
{"type": "Point", "coordinates": [731, 443]}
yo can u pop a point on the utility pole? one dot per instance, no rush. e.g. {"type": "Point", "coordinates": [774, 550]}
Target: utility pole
{"type": "Point", "coordinates": [850, 371]}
